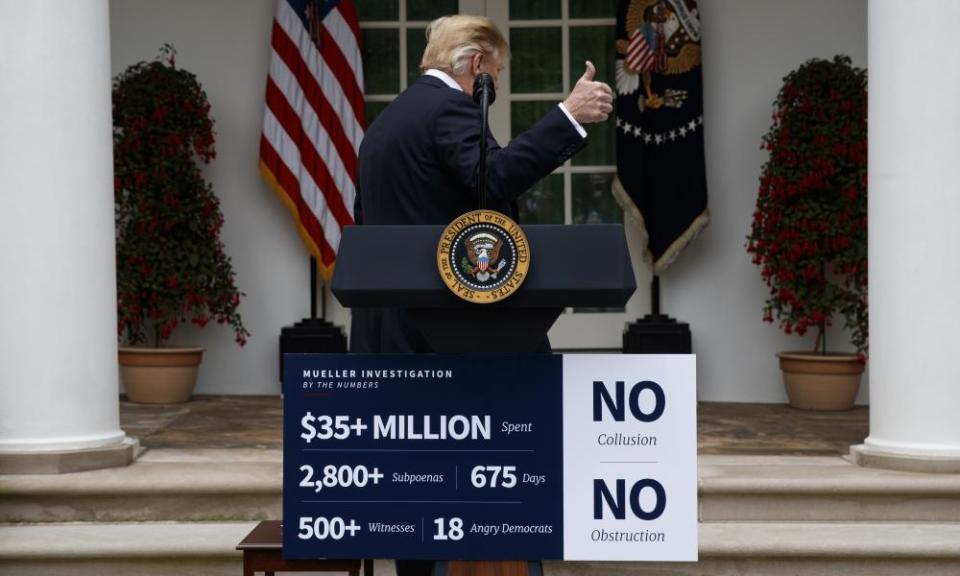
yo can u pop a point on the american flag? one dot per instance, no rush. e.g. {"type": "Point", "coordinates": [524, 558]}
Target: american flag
{"type": "Point", "coordinates": [640, 56]}
{"type": "Point", "coordinates": [313, 120]}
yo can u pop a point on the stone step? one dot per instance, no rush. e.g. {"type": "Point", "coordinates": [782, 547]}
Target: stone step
{"type": "Point", "coordinates": [190, 549]}
{"type": "Point", "coordinates": [141, 549]}
{"type": "Point", "coordinates": [800, 549]}
{"type": "Point", "coordinates": [821, 489]}
{"type": "Point", "coordinates": [726, 548]}
{"type": "Point", "coordinates": [242, 485]}
{"type": "Point", "coordinates": [162, 485]}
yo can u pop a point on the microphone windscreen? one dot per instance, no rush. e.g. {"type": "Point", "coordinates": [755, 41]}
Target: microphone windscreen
{"type": "Point", "coordinates": [484, 83]}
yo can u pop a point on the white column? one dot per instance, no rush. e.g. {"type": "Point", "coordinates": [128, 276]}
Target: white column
{"type": "Point", "coordinates": [914, 235]}
{"type": "Point", "coordinates": [58, 339]}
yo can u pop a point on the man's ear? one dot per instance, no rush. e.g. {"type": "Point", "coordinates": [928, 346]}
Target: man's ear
{"type": "Point", "coordinates": [475, 62]}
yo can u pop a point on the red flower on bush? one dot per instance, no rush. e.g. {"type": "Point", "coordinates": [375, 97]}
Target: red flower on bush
{"type": "Point", "coordinates": [171, 266]}
{"type": "Point", "coordinates": [809, 230]}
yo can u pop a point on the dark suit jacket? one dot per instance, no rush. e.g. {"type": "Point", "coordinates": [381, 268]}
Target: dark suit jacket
{"type": "Point", "coordinates": [418, 165]}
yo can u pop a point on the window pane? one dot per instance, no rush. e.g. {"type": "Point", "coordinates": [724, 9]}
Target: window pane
{"type": "Point", "coordinates": [378, 10]}
{"type": "Point", "coordinates": [543, 203]}
{"type": "Point", "coordinates": [536, 61]}
{"type": "Point", "coordinates": [523, 115]}
{"type": "Point", "coordinates": [430, 9]}
{"type": "Point", "coordinates": [601, 145]}
{"type": "Point", "coordinates": [593, 203]}
{"type": "Point", "coordinates": [593, 8]}
{"type": "Point", "coordinates": [596, 44]}
{"type": "Point", "coordinates": [381, 61]}
{"type": "Point", "coordinates": [416, 42]}
{"type": "Point", "coordinates": [373, 109]}
{"type": "Point", "coordinates": [534, 9]}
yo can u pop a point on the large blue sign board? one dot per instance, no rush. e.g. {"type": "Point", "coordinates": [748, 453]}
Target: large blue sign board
{"type": "Point", "coordinates": [489, 457]}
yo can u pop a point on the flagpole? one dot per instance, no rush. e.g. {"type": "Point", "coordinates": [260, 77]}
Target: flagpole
{"type": "Point", "coordinates": [313, 288]}
{"type": "Point", "coordinates": [655, 295]}
{"type": "Point", "coordinates": [323, 301]}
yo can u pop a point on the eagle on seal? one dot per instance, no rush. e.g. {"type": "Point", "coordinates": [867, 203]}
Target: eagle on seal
{"type": "Point", "coordinates": [483, 254]}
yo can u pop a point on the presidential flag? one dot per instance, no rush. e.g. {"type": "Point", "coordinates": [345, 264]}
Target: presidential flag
{"type": "Point", "coordinates": [661, 176]}
{"type": "Point", "coordinates": [313, 120]}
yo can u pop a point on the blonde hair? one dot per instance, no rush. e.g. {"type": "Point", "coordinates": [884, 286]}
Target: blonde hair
{"type": "Point", "coordinates": [453, 39]}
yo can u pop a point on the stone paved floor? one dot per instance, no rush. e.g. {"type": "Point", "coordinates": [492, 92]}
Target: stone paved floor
{"type": "Point", "coordinates": [255, 422]}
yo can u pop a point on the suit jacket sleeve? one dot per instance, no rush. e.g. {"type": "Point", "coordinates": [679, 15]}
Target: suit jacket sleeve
{"type": "Point", "coordinates": [510, 170]}
{"type": "Point", "coordinates": [357, 208]}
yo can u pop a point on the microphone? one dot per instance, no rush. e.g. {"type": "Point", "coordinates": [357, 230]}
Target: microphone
{"type": "Point", "coordinates": [483, 84]}
{"type": "Point", "coordinates": [483, 95]}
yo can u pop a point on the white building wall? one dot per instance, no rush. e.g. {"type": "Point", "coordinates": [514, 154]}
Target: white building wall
{"type": "Point", "coordinates": [749, 45]}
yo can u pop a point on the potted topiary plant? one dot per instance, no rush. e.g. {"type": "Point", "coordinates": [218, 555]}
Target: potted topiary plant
{"type": "Point", "coordinates": [809, 230]}
{"type": "Point", "coordinates": [171, 267]}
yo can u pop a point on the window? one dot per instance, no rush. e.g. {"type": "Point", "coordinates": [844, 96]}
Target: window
{"type": "Point", "coordinates": [393, 41]}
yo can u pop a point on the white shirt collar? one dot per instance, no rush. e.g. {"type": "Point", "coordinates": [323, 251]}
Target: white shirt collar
{"type": "Point", "coordinates": [446, 78]}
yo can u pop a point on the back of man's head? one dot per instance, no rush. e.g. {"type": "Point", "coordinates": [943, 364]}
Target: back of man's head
{"type": "Point", "coordinates": [453, 40]}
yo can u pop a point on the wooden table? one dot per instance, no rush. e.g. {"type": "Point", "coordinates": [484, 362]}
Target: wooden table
{"type": "Point", "coordinates": [263, 552]}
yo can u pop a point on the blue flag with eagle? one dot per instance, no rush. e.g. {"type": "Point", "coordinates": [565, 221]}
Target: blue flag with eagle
{"type": "Point", "coordinates": [661, 176]}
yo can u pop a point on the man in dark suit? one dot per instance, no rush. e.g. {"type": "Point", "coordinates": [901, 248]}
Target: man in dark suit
{"type": "Point", "coordinates": [418, 160]}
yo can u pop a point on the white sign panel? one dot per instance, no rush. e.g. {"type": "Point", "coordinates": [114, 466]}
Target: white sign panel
{"type": "Point", "coordinates": [630, 457]}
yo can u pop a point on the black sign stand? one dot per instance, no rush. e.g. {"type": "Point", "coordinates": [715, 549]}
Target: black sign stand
{"type": "Point", "coordinates": [657, 333]}
{"type": "Point", "coordinates": [312, 334]}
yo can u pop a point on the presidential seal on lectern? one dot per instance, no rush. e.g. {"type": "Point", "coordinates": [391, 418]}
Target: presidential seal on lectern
{"type": "Point", "coordinates": [483, 256]}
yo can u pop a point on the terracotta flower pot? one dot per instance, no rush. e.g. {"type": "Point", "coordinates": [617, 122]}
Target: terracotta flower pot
{"type": "Point", "coordinates": [821, 382]}
{"type": "Point", "coordinates": [159, 375]}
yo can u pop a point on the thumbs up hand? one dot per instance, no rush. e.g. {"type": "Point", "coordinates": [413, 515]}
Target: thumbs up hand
{"type": "Point", "coordinates": [590, 101]}
{"type": "Point", "coordinates": [590, 72]}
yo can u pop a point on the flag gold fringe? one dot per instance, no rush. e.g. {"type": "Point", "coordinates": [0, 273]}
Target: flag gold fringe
{"type": "Point", "coordinates": [692, 231]}
{"type": "Point", "coordinates": [325, 271]}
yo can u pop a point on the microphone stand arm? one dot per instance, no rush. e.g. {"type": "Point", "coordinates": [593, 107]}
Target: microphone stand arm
{"type": "Point", "coordinates": [484, 124]}
{"type": "Point", "coordinates": [483, 95]}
